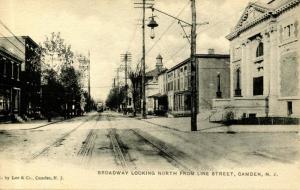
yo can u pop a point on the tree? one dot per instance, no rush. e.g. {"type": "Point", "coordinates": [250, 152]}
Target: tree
{"type": "Point", "coordinates": [115, 97]}
{"type": "Point", "coordinates": [60, 82]}
{"type": "Point", "coordinates": [70, 80]}
{"type": "Point", "coordinates": [135, 78]}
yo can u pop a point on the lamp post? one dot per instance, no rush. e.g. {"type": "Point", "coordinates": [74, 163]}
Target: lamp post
{"type": "Point", "coordinates": [152, 24]}
{"type": "Point", "coordinates": [194, 75]}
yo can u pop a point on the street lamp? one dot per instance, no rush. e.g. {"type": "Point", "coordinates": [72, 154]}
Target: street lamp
{"type": "Point", "coordinates": [194, 75]}
{"type": "Point", "coordinates": [152, 24]}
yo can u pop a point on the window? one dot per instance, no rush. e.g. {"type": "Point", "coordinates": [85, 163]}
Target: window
{"type": "Point", "coordinates": [290, 108]}
{"type": "Point", "coordinates": [16, 71]}
{"type": "Point", "coordinates": [260, 50]}
{"type": "Point", "coordinates": [175, 84]}
{"type": "Point", "coordinates": [8, 69]}
{"type": "Point", "coordinates": [2, 67]}
{"type": "Point", "coordinates": [170, 86]}
{"type": "Point", "coordinates": [288, 31]}
{"type": "Point", "coordinates": [237, 91]}
{"type": "Point", "coordinates": [185, 83]}
{"type": "Point", "coordinates": [129, 101]}
{"type": "Point", "coordinates": [258, 86]}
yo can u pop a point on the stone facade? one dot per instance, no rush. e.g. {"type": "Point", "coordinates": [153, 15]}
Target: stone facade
{"type": "Point", "coordinates": [264, 66]}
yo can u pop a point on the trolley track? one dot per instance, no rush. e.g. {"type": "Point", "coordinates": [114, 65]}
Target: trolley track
{"type": "Point", "coordinates": [122, 155]}
{"type": "Point", "coordinates": [164, 152]}
{"type": "Point", "coordinates": [58, 141]}
{"type": "Point", "coordinates": [119, 152]}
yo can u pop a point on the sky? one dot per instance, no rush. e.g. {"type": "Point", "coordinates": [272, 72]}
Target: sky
{"type": "Point", "coordinates": [109, 28]}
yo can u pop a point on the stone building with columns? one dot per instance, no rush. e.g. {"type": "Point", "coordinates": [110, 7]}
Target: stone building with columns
{"type": "Point", "coordinates": [264, 66]}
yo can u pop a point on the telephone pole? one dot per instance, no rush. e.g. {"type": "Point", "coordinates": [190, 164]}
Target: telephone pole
{"type": "Point", "coordinates": [143, 65]}
{"type": "Point", "coordinates": [193, 62]}
{"type": "Point", "coordinates": [145, 4]}
{"type": "Point", "coordinates": [126, 58]}
{"type": "Point", "coordinates": [194, 97]}
{"type": "Point", "coordinates": [89, 81]}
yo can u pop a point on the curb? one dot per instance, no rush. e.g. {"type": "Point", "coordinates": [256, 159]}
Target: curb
{"type": "Point", "coordinates": [44, 125]}
{"type": "Point", "coordinates": [229, 129]}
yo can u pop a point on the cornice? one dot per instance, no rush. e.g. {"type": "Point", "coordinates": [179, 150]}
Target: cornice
{"type": "Point", "coordinates": [271, 14]}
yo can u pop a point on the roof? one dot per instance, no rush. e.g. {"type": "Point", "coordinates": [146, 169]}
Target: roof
{"type": "Point", "coordinates": [7, 53]}
{"type": "Point", "coordinates": [163, 71]}
{"type": "Point", "coordinates": [21, 37]}
{"type": "Point", "coordinates": [159, 56]}
{"type": "Point", "coordinates": [30, 39]}
{"type": "Point", "coordinates": [264, 10]}
{"type": "Point", "coordinates": [218, 56]}
{"type": "Point", "coordinates": [154, 72]}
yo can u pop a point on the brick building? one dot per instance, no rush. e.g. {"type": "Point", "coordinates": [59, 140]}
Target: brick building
{"type": "Point", "coordinates": [29, 81]}
{"type": "Point", "coordinates": [209, 67]}
{"type": "Point", "coordinates": [10, 84]}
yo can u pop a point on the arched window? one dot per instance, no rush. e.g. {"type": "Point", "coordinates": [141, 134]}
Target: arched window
{"type": "Point", "coordinates": [260, 50]}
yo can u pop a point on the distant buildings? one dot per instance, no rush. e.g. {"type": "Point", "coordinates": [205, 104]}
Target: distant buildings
{"type": "Point", "coordinates": [264, 66]}
{"type": "Point", "coordinates": [152, 86]}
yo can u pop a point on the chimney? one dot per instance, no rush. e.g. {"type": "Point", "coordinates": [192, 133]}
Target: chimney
{"type": "Point", "coordinates": [211, 51]}
{"type": "Point", "coordinates": [159, 64]}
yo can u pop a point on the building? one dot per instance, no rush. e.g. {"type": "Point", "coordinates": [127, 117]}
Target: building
{"type": "Point", "coordinates": [152, 86]}
{"type": "Point", "coordinates": [82, 64]}
{"type": "Point", "coordinates": [264, 48]}
{"type": "Point", "coordinates": [10, 84]}
{"type": "Point", "coordinates": [213, 82]}
{"type": "Point", "coordinates": [28, 52]}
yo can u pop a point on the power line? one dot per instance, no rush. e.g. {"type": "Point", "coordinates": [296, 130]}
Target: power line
{"type": "Point", "coordinates": [165, 31]}
{"type": "Point", "coordinates": [1, 22]}
{"type": "Point", "coordinates": [210, 27]}
{"type": "Point", "coordinates": [12, 43]}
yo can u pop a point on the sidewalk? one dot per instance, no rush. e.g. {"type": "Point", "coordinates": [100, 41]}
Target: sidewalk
{"type": "Point", "coordinates": [33, 124]}
{"type": "Point", "coordinates": [183, 124]}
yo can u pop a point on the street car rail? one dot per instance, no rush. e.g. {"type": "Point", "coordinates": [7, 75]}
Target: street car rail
{"type": "Point", "coordinates": [117, 149]}
{"type": "Point", "coordinates": [165, 153]}
{"type": "Point", "coordinates": [58, 141]}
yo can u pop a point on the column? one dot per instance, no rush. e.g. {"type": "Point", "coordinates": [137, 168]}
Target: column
{"type": "Point", "coordinates": [251, 47]}
{"type": "Point", "coordinates": [4, 67]}
{"type": "Point", "coordinates": [274, 71]}
{"type": "Point", "coordinates": [12, 69]}
{"type": "Point", "coordinates": [266, 63]}
{"type": "Point", "coordinates": [244, 68]}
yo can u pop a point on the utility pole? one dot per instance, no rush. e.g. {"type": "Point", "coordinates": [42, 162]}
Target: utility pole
{"type": "Point", "coordinates": [126, 58]}
{"type": "Point", "coordinates": [89, 82]}
{"type": "Point", "coordinates": [146, 4]}
{"type": "Point", "coordinates": [143, 65]}
{"type": "Point", "coordinates": [194, 97]}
